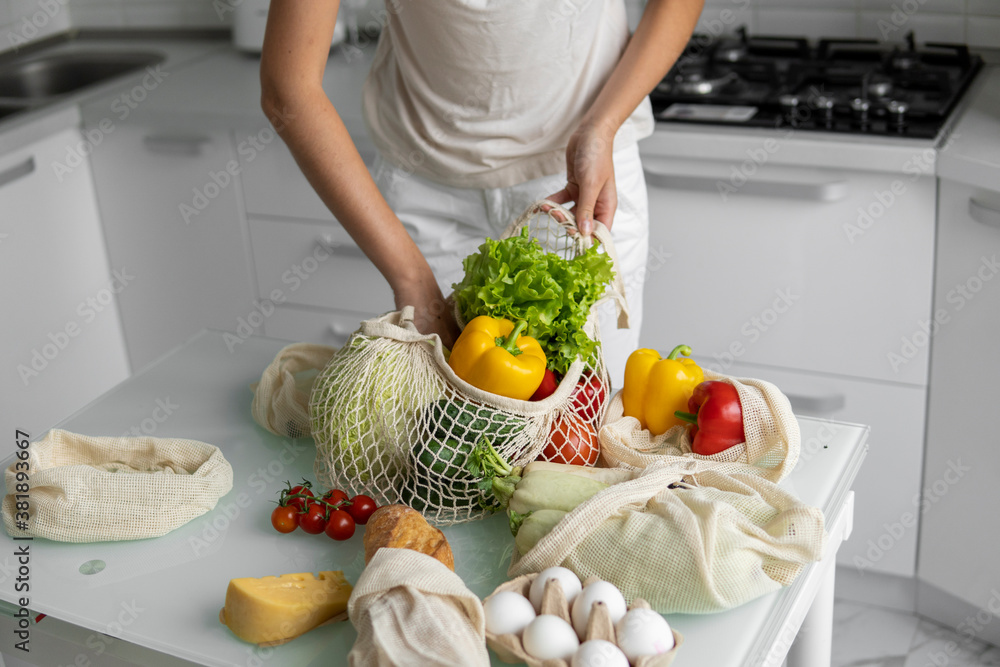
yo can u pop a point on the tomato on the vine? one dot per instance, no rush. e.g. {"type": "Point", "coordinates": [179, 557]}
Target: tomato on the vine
{"type": "Point", "coordinates": [361, 508]}
{"type": "Point", "coordinates": [340, 526]}
{"type": "Point", "coordinates": [589, 395]}
{"type": "Point", "coordinates": [298, 503]}
{"type": "Point", "coordinates": [572, 441]}
{"type": "Point", "coordinates": [334, 496]}
{"type": "Point", "coordinates": [314, 520]}
{"type": "Point", "coordinates": [285, 518]}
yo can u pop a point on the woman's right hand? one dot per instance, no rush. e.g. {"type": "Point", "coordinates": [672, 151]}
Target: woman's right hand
{"type": "Point", "coordinates": [432, 314]}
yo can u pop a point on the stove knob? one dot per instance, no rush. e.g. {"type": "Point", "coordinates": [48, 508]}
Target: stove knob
{"type": "Point", "coordinates": [824, 105]}
{"type": "Point", "coordinates": [897, 112]}
{"type": "Point", "coordinates": [859, 109]}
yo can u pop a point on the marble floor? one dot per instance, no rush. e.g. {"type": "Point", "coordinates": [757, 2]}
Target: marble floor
{"type": "Point", "coordinates": [868, 636]}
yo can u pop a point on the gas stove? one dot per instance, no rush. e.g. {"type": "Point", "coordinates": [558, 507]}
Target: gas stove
{"type": "Point", "coordinates": [835, 85]}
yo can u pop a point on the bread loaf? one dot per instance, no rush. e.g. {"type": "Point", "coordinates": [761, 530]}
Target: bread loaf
{"type": "Point", "coordinates": [400, 527]}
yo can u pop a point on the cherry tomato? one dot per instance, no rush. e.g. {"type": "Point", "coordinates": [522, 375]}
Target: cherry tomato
{"type": "Point", "coordinates": [588, 398]}
{"type": "Point", "coordinates": [340, 526]}
{"type": "Point", "coordinates": [298, 503]}
{"type": "Point", "coordinates": [572, 441]}
{"type": "Point", "coordinates": [285, 519]}
{"type": "Point", "coordinates": [314, 520]}
{"type": "Point", "coordinates": [335, 496]}
{"type": "Point", "coordinates": [361, 508]}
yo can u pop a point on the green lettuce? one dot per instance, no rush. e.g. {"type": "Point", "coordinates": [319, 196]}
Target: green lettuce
{"type": "Point", "coordinates": [516, 279]}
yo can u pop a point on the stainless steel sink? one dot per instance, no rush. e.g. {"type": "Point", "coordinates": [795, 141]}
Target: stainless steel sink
{"type": "Point", "coordinates": [41, 77]}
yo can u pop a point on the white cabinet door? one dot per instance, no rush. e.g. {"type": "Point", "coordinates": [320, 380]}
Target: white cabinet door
{"type": "Point", "coordinates": [959, 540]}
{"type": "Point", "coordinates": [812, 269]}
{"type": "Point", "coordinates": [171, 207]}
{"type": "Point", "coordinates": [62, 342]}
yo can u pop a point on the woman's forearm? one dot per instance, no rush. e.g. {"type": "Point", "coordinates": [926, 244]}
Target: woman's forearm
{"type": "Point", "coordinates": [326, 154]}
{"type": "Point", "coordinates": [658, 41]}
{"type": "Point", "coordinates": [294, 56]}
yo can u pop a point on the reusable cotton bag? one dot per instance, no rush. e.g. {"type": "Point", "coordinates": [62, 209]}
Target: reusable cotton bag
{"type": "Point", "coordinates": [692, 534]}
{"type": "Point", "coordinates": [93, 489]}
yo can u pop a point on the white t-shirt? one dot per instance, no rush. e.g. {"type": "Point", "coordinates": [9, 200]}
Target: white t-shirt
{"type": "Point", "coordinates": [486, 93]}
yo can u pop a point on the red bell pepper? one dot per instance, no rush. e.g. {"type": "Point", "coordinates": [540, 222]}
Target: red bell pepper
{"type": "Point", "coordinates": [717, 418]}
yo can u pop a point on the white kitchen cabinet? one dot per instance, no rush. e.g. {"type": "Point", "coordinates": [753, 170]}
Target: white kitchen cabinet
{"type": "Point", "coordinates": [962, 471]}
{"type": "Point", "coordinates": [315, 264]}
{"type": "Point", "coordinates": [62, 338]}
{"type": "Point", "coordinates": [783, 273]}
{"type": "Point", "coordinates": [171, 205]}
{"type": "Point", "coordinates": [818, 279]}
{"type": "Point", "coordinates": [310, 325]}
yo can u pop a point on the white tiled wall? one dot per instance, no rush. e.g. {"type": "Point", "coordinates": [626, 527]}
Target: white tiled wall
{"type": "Point", "coordinates": [24, 21]}
{"type": "Point", "coordinates": [976, 22]}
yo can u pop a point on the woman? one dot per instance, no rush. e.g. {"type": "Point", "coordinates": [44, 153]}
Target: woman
{"type": "Point", "coordinates": [478, 108]}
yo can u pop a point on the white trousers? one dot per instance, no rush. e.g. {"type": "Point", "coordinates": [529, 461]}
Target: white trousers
{"type": "Point", "coordinates": [449, 223]}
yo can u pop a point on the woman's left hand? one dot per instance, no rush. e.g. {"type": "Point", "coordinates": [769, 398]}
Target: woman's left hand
{"type": "Point", "coordinates": [590, 177]}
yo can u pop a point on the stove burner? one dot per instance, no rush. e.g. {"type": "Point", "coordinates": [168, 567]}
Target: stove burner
{"type": "Point", "coordinates": [838, 85]}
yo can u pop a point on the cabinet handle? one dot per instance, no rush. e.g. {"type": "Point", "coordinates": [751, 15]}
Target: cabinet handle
{"type": "Point", "coordinates": [802, 403]}
{"type": "Point", "coordinates": [983, 214]}
{"type": "Point", "coordinates": [16, 172]}
{"type": "Point", "coordinates": [341, 330]}
{"type": "Point", "coordinates": [334, 247]}
{"type": "Point", "coordinates": [175, 144]}
{"type": "Point", "coordinates": [819, 192]}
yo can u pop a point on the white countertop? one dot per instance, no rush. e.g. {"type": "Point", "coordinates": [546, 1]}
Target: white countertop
{"type": "Point", "coordinates": [179, 580]}
{"type": "Point", "coordinates": [972, 152]}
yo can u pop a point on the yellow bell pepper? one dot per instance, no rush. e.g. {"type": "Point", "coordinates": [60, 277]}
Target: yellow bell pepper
{"type": "Point", "coordinates": [491, 354]}
{"type": "Point", "coordinates": [655, 388]}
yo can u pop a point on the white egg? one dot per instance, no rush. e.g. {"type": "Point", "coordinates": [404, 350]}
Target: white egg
{"type": "Point", "coordinates": [508, 612]}
{"type": "Point", "coordinates": [599, 653]}
{"type": "Point", "coordinates": [597, 591]}
{"type": "Point", "coordinates": [570, 585]}
{"type": "Point", "coordinates": [643, 632]}
{"type": "Point", "coordinates": [549, 637]}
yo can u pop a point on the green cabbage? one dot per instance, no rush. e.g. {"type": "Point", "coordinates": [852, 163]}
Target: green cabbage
{"type": "Point", "coordinates": [516, 279]}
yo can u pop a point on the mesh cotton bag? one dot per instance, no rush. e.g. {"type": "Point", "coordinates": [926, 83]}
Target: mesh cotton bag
{"type": "Point", "coordinates": [94, 489]}
{"type": "Point", "coordinates": [692, 534]}
{"type": "Point", "coordinates": [393, 421]}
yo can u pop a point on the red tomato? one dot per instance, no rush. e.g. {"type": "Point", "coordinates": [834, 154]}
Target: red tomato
{"type": "Point", "coordinates": [361, 508]}
{"type": "Point", "coordinates": [298, 503]}
{"type": "Point", "coordinates": [340, 526]}
{"type": "Point", "coordinates": [285, 519]}
{"type": "Point", "coordinates": [572, 441]}
{"type": "Point", "coordinates": [546, 388]}
{"type": "Point", "coordinates": [588, 399]}
{"type": "Point", "coordinates": [335, 496]}
{"type": "Point", "coordinates": [313, 521]}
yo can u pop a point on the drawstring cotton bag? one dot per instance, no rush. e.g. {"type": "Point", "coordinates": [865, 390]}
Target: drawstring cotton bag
{"type": "Point", "coordinates": [392, 420]}
{"type": "Point", "coordinates": [691, 534]}
{"type": "Point", "coordinates": [281, 398]}
{"type": "Point", "coordinates": [97, 489]}
{"type": "Point", "coordinates": [410, 609]}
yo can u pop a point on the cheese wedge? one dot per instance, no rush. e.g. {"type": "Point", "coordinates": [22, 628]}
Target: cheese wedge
{"type": "Point", "coordinates": [272, 609]}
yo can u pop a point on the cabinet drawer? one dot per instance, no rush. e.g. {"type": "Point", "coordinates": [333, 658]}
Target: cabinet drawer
{"type": "Point", "coordinates": [300, 325]}
{"type": "Point", "coordinates": [274, 184]}
{"type": "Point", "coordinates": [314, 264]}
{"type": "Point", "coordinates": [815, 269]}
{"type": "Point", "coordinates": [890, 477]}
